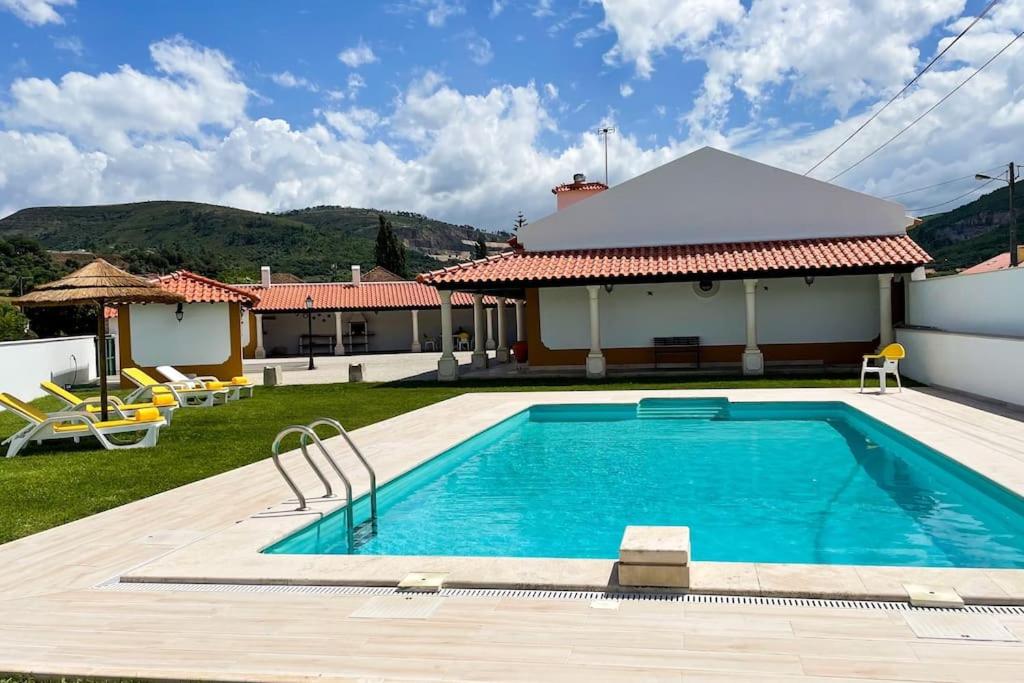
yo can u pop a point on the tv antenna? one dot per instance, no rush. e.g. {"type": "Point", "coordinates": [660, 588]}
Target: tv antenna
{"type": "Point", "coordinates": [605, 131]}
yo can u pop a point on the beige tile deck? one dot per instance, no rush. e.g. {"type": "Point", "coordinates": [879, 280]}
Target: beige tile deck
{"type": "Point", "coordinates": [55, 622]}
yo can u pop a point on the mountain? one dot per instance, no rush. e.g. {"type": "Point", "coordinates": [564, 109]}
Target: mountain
{"type": "Point", "coordinates": [968, 234]}
{"type": "Point", "coordinates": [318, 243]}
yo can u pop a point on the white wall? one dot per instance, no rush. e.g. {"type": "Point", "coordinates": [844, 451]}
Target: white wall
{"type": "Point", "coordinates": [832, 309]}
{"type": "Point", "coordinates": [985, 303]}
{"type": "Point", "coordinates": [203, 337]}
{"type": "Point", "coordinates": [24, 364]}
{"type": "Point", "coordinates": [988, 366]}
{"type": "Point", "coordinates": [710, 196]}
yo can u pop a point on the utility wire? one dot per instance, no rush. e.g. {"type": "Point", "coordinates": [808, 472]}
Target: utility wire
{"type": "Point", "coordinates": [959, 196]}
{"type": "Point", "coordinates": [944, 182]}
{"type": "Point", "coordinates": [929, 110]}
{"type": "Point", "coordinates": [905, 88]}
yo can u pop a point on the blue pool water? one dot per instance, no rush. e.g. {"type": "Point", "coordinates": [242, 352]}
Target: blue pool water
{"type": "Point", "coordinates": [755, 482]}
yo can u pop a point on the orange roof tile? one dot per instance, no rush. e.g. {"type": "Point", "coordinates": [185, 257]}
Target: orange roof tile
{"type": "Point", "coordinates": [667, 262]}
{"type": "Point", "coordinates": [344, 296]}
{"type": "Point", "coordinates": [587, 185]}
{"type": "Point", "coordinates": [198, 289]}
{"type": "Point", "coordinates": [997, 262]}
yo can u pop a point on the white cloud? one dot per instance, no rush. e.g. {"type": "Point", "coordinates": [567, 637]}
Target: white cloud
{"type": "Point", "coordinates": [355, 84]}
{"type": "Point", "coordinates": [357, 55]}
{"type": "Point", "coordinates": [36, 12]}
{"type": "Point", "coordinates": [543, 9]}
{"type": "Point", "coordinates": [551, 90]}
{"type": "Point", "coordinates": [647, 28]}
{"type": "Point", "coordinates": [497, 7]}
{"type": "Point", "coordinates": [354, 123]}
{"type": "Point", "coordinates": [436, 12]}
{"type": "Point", "coordinates": [480, 52]}
{"type": "Point", "coordinates": [72, 44]}
{"type": "Point", "coordinates": [335, 95]}
{"type": "Point", "coordinates": [626, 90]}
{"type": "Point", "coordinates": [286, 79]}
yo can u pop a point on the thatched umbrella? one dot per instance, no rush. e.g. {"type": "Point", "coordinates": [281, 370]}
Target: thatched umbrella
{"type": "Point", "coordinates": [99, 284]}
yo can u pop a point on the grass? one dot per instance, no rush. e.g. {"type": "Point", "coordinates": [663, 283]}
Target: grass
{"type": "Point", "coordinates": [58, 482]}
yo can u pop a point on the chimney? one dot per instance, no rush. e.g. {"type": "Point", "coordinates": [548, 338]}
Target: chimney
{"type": "Point", "coordinates": [265, 276]}
{"type": "Point", "coordinates": [357, 277]}
{"type": "Point", "coordinates": [579, 189]}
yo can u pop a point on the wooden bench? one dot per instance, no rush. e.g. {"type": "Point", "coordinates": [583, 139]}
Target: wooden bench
{"type": "Point", "coordinates": [669, 347]}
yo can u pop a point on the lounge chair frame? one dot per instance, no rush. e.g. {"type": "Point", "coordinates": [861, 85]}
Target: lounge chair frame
{"type": "Point", "coordinates": [183, 394]}
{"type": "Point", "coordinates": [45, 430]}
{"type": "Point", "coordinates": [123, 410]}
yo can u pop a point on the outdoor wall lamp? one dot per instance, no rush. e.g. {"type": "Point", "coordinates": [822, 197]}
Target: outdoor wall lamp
{"type": "Point", "coordinates": [809, 280]}
{"type": "Point", "coordinates": [608, 287]}
{"type": "Point", "coordinates": [179, 313]}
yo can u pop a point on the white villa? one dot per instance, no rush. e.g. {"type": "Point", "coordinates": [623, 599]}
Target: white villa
{"type": "Point", "coordinates": [710, 260]}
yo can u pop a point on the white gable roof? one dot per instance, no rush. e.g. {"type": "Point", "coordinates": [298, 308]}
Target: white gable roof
{"type": "Point", "coordinates": [710, 196]}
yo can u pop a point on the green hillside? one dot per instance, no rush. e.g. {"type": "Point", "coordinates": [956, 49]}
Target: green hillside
{"type": "Point", "coordinates": [968, 234]}
{"type": "Point", "coordinates": [315, 244]}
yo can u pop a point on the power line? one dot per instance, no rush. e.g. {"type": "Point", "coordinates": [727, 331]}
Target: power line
{"type": "Point", "coordinates": [959, 196]}
{"type": "Point", "coordinates": [929, 109]}
{"type": "Point", "coordinates": [944, 182]}
{"type": "Point", "coordinates": [905, 88]}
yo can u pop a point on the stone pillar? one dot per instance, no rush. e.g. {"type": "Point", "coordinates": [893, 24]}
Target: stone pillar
{"type": "Point", "coordinates": [753, 360]}
{"type": "Point", "coordinates": [415, 346]}
{"type": "Point", "coordinates": [885, 334]}
{"type": "Point", "coordinates": [339, 341]}
{"type": "Point", "coordinates": [479, 358]}
{"type": "Point", "coordinates": [502, 353]}
{"type": "Point", "coordinates": [258, 332]}
{"type": "Point", "coordinates": [490, 346]}
{"type": "Point", "coordinates": [520, 320]}
{"type": "Point", "coordinates": [596, 367]}
{"type": "Point", "coordinates": [447, 366]}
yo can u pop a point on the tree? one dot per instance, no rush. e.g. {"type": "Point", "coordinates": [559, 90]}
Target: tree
{"type": "Point", "coordinates": [480, 248]}
{"type": "Point", "coordinates": [389, 252]}
{"type": "Point", "coordinates": [519, 222]}
{"type": "Point", "coordinates": [13, 323]}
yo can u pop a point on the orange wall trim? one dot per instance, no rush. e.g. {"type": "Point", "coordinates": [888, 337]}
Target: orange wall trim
{"type": "Point", "coordinates": [829, 353]}
{"type": "Point", "coordinates": [232, 367]}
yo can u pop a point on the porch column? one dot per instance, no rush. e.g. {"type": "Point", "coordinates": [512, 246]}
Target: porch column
{"type": "Point", "coordinates": [447, 366]}
{"type": "Point", "coordinates": [596, 367]}
{"type": "Point", "coordinates": [502, 354]}
{"type": "Point", "coordinates": [415, 346]}
{"type": "Point", "coordinates": [479, 358]}
{"type": "Point", "coordinates": [490, 346]}
{"type": "Point", "coordinates": [520, 320]}
{"type": "Point", "coordinates": [885, 334]}
{"type": "Point", "coordinates": [753, 360]}
{"type": "Point", "coordinates": [258, 332]}
{"type": "Point", "coordinates": [339, 342]}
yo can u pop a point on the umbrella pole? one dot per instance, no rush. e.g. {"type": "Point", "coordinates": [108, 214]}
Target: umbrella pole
{"type": "Point", "coordinates": [101, 358]}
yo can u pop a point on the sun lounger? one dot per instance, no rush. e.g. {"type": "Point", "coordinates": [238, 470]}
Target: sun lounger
{"type": "Point", "coordinates": [185, 395]}
{"type": "Point", "coordinates": [164, 403]}
{"type": "Point", "coordinates": [235, 386]}
{"type": "Point", "coordinates": [74, 425]}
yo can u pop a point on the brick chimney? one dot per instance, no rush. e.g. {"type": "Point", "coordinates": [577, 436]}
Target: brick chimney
{"type": "Point", "coordinates": [265, 276]}
{"type": "Point", "coordinates": [579, 189]}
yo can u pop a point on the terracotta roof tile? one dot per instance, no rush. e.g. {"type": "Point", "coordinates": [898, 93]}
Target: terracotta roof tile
{"type": "Point", "coordinates": [997, 262]}
{"type": "Point", "coordinates": [839, 254]}
{"type": "Point", "coordinates": [198, 289]}
{"type": "Point", "coordinates": [381, 274]}
{"type": "Point", "coordinates": [587, 185]}
{"type": "Point", "coordinates": [344, 296]}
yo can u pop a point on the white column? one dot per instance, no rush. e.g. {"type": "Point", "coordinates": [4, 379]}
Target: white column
{"type": "Point", "coordinates": [596, 367]}
{"type": "Point", "coordinates": [479, 357]}
{"type": "Point", "coordinates": [753, 360]}
{"type": "Point", "coordinates": [502, 353]}
{"type": "Point", "coordinates": [258, 332]}
{"type": "Point", "coordinates": [490, 346]}
{"type": "Point", "coordinates": [415, 346]}
{"type": "Point", "coordinates": [520, 320]}
{"type": "Point", "coordinates": [447, 366]}
{"type": "Point", "coordinates": [885, 334]}
{"type": "Point", "coordinates": [339, 342]}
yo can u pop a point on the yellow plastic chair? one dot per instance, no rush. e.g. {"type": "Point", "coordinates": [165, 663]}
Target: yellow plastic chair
{"type": "Point", "coordinates": [74, 425]}
{"type": "Point", "coordinates": [890, 356]}
{"type": "Point", "coordinates": [235, 385]}
{"type": "Point", "coordinates": [164, 403]}
{"type": "Point", "coordinates": [185, 395]}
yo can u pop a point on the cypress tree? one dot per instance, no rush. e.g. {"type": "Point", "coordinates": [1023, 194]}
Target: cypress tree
{"type": "Point", "coordinates": [389, 252]}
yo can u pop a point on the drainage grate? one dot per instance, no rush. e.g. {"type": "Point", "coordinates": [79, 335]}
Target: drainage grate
{"type": "Point", "coordinates": [952, 625]}
{"type": "Point", "coordinates": [589, 596]}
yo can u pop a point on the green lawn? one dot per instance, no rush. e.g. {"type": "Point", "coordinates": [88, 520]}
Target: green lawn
{"type": "Point", "coordinates": [56, 483]}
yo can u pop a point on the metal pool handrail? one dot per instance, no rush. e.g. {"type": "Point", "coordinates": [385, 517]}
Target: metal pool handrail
{"type": "Point", "coordinates": [330, 422]}
{"type": "Point", "coordinates": [276, 455]}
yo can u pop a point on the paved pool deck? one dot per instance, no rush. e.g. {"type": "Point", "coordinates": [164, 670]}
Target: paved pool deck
{"type": "Point", "coordinates": [57, 621]}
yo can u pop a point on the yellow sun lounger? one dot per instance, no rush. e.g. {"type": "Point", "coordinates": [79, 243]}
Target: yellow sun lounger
{"type": "Point", "coordinates": [235, 385]}
{"type": "Point", "coordinates": [164, 403]}
{"type": "Point", "coordinates": [74, 425]}
{"type": "Point", "coordinates": [183, 394]}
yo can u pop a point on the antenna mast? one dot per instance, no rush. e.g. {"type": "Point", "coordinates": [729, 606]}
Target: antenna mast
{"type": "Point", "coordinates": [605, 131]}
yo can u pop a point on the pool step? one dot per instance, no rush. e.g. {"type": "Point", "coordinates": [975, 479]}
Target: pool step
{"type": "Point", "coordinates": [681, 408]}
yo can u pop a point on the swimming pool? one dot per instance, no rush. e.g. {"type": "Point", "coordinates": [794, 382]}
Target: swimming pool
{"type": "Point", "coordinates": [794, 482]}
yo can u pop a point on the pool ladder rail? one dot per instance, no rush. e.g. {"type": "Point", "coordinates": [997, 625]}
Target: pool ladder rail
{"type": "Point", "coordinates": [307, 435]}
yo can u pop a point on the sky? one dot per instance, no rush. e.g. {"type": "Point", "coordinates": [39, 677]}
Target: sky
{"type": "Point", "coordinates": [471, 110]}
